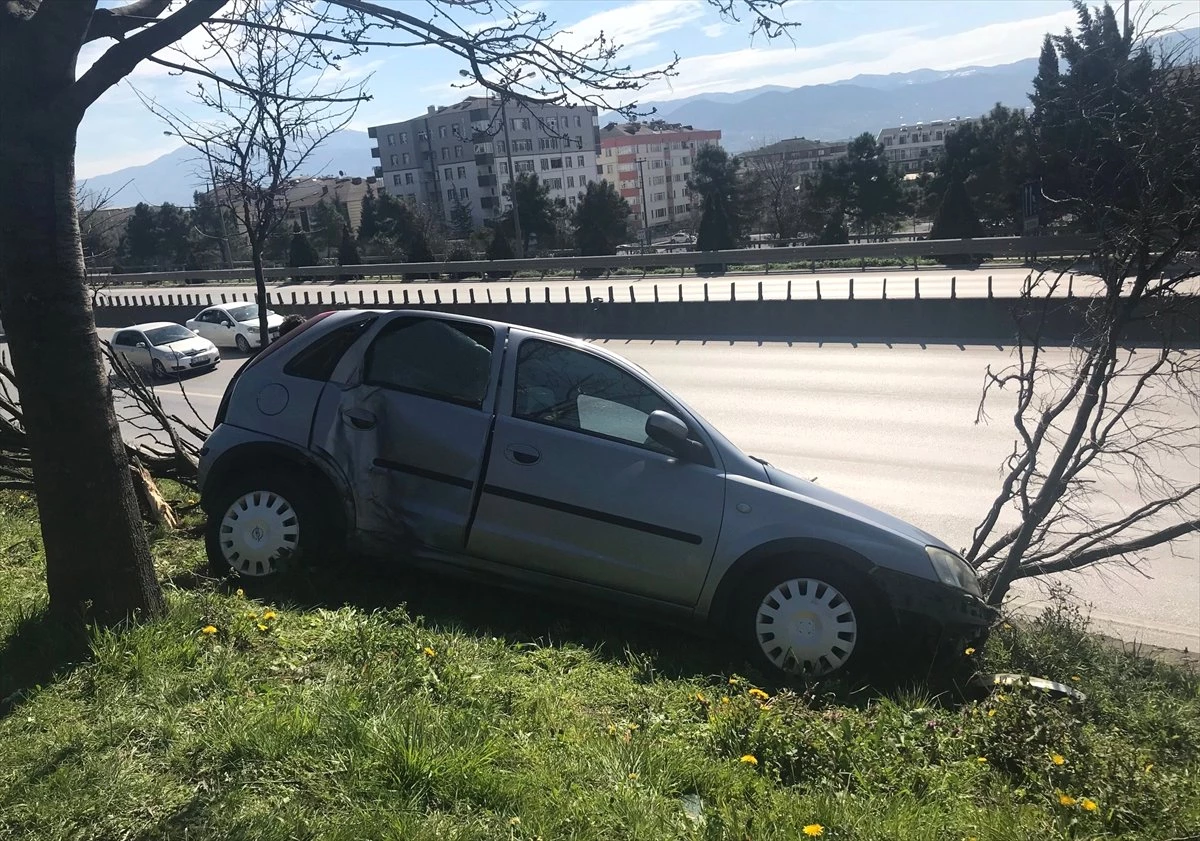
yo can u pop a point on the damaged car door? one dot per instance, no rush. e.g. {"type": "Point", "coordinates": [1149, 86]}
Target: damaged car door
{"type": "Point", "coordinates": [409, 423]}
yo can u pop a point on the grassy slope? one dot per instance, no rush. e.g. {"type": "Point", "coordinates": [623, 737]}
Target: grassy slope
{"type": "Point", "coordinates": [497, 718]}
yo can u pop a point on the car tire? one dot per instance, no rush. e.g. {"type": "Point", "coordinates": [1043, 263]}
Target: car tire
{"type": "Point", "coordinates": [158, 370]}
{"type": "Point", "coordinates": [242, 344]}
{"type": "Point", "coordinates": [264, 522]}
{"type": "Point", "coordinates": [807, 619]}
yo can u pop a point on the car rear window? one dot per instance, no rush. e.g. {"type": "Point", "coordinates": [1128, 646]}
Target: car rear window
{"type": "Point", "coordinates": [318, 360]}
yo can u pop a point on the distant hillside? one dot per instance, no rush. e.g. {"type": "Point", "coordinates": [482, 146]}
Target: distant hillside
{"type": "Point", "coordinates": [864, 103]}
{"type": "Point", "coordinates": [176, 175]}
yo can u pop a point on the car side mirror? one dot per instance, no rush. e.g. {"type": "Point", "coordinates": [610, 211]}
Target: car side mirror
{"type": "Point", "coordinates": [666, 429]}
{"type": "Point", "coordinates": [141, 345]}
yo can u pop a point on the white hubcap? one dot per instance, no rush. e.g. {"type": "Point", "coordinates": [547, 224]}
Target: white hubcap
{"type": "Point", "coordinates": [806, 626]}
{"type": "Point", "coordinates": [259, 529]}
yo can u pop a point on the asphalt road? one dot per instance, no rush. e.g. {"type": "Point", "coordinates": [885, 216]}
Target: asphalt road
{"type": "Point", "coordinates": [933, 283]}
{"type": "Point", "coordinates": [894, 427]}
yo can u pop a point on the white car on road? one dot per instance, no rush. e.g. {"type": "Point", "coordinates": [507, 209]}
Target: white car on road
{"type": "Point", "coordinates": [164, 349]}
{"type": "Point", "coordinates": [234, 325]}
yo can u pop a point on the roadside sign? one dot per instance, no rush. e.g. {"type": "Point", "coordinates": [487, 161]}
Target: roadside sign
{"type": "Point", "coordinates": [1030, 204]}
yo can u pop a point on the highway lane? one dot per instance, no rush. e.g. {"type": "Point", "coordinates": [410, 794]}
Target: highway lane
{"type": "Point", "coordinates": [900, 283]}
{"type": "Point", "coordinates": [895, 427]}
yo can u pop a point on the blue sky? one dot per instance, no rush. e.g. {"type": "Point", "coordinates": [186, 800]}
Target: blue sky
{"type": "Point", "coordinates": [838, 39]}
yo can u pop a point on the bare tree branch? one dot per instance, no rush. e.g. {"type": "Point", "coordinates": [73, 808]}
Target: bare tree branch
{"type": "Point", "coordinates": [115, 21]}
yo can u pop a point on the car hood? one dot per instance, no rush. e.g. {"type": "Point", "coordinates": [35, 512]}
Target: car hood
{"type": "Point", "coordinates": [852, 508]}
{"type": "Point", "coordinates": [273, 320]}
{"type": "Point", "coordinates": [195, 343]}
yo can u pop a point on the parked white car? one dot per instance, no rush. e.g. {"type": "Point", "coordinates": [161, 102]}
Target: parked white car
{"type": "Point", "coordinates": [164, 349]}
{"type": "Point", "coordinates": [234, 325]}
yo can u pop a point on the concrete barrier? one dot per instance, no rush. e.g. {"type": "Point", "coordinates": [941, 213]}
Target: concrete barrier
{"type": "Point", "coordinates": [991, 320]}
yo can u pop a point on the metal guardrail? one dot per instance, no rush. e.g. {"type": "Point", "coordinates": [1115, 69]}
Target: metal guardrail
{"type": "Point", "coordinates": [1050, 246]}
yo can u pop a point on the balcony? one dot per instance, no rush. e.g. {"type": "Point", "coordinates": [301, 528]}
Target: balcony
{"type": "Point", "coordinates": [487, 181]}
{"type": "Point", "coordinates": [371, 132]}
{"type": "Point", "coordinates": [374, 151]}
{"type": "Point", "coordinates": [378, 172]}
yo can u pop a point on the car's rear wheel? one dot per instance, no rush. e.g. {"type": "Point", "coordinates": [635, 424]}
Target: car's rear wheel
{"type": "Point", "coordinates": [242, 344]}
{"type": "Point", "coordinates": [806, 619]}
{"type": "Point", "coordinates": [261, 524]}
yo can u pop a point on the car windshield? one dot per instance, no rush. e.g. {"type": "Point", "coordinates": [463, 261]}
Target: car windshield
{"type": "Point", "coordinates": [245, 313]}
{"type": "Point", "coordinates": [159, 336]}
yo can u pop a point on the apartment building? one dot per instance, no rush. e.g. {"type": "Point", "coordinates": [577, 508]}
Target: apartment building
{"type": "Point", "coordinates": [805, 157]}
{"type": "Point", "coordinates": [459, 154]}
{"type": "Point", "coordinates": [305, 193]}
{"type": "Point", "coordinates": [650, 164]}
{"type": "Point", "coordinates": [915, 148]}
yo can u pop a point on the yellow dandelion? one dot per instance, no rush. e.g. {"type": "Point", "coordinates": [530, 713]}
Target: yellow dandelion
{"type": "Point", "coordinates": [758, 695]}
{"type": "Point", "coordinates": [991, 713]}
{"type": "Point", "coordinates": [982, 760]}
{"type": "Point", "coordinates": [1065, 799]}
{"type": "Point", "coordinates": [1088, 804]}
{"type": "Point", "coordinates": [749, 759]}
{"type": "Point", "coordinates": [1007, 626]}
{"type": "Point", "coordinates": [262, 627]}
{"type": "Point", "coordinates": [1075, 678]}
{"type": "Point", "coordinates": [700, 697]}
{"type": "Point", "coordinates": [1057, 758]}
{"type": "Point", "coordinates": [251, 614]}
{"type": "Point", "coordinates": [633, 775]}
{"type": "Point", "coordinates": [733, 681]}
{"type": "Point", "coordinates": [724, 699]}
{"type": "Point", "coordinates": [209, 630]}
{"type": "Point", "coordinates": [612, 730]}
{"type": "Point", "coordinates": [969, 651]}
{"type": "Point", "coordinates": [241, 594]}
{"type": "Point", "coordinates": [633, 726]}
{"type": "Point", "coordinates": [268, 615]}
{"type": "Point", "coordinates": [429, 652]}
{"type": "Point", "coordinates": [1149, 767]}
{"type": "Point", "coordinates": [514, 821]}
{"type": "Point", "coordinates": [813, 830]}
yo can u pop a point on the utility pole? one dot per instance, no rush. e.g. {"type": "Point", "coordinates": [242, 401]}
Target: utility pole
{"type": "Point", "coordinates": [1126, 20]}
{"type": "Point", "coordinates": [519, 246]}
{"type": "Point", "coordinates": [226, 254]}
{"type": "Point", "coordinates": [645, 211]}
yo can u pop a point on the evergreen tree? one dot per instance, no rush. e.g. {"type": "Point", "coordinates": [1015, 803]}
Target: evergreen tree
{"type": "Point", "coordinates": [461, 221]}
{"type": "Point", "coordinates": [348, 253]}
{"type": "Point", "coordinates": [535, 206]}
{"type": "Point", "coordinates": [956, 219]}
{"type": "Point", "coordinates": [601, 219]}
{"type": "Point", "coordinates": [715, 181]}
{"type": "Point", "coordinates": [499, 249]}
{"type": "Point", "coordinates": [301, 252]}
{"type": "Point", "coordinates": [368, 220]}
{"type": "Point", "coordinates": [834, 232]}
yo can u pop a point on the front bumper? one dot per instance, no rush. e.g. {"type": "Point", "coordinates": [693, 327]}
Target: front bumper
{"type": "Point", "coordinates": [932, 601]}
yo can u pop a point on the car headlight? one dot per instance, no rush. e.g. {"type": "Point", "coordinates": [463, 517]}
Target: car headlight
{"type": "Point", "coordinates": [252, 329]}
{"type": "Point", "coordinates": [953, 571]}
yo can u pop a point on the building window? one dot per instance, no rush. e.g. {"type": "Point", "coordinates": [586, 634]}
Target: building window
{"type": "Point", "coordinates": [463, 194]}
{"type": "Point", "coordinates": [658, 179]}
{"type": "Point", "coordinates": [462, 172]}
{"type": "Point", "coordinates": [556, 163]}
{"type": "Point", "coordinates": [554, 183]}
{"type": "Point", "coordinates": [939, 135]}
{"type": "Point", "coordinates": [903, 139]}
{"type": "Point", "coordinates": [391, 140]}
{"type": "Point", "coordinates": [887, 141]}
{"type": "Point", "coordinates": [524, 166]}
{"type": "Point", "coordinates": [659, 213]}
{"type": "Point", "coordinates": [583, 181]}
{"type": "Point", "coordinates": [656, 164]}
{"type": "Point", "coordinates": [572, 198]}
{"type": "Point", "coordinates": [422, 136]}
{"type": "Point", "coordinates": [504, 167]}
{"type": "Point", "coordinates": [404, 137]}
{"type": "Point", "coordinates": [450, 194]}
{"type": "Point", "coordinates": [522, 145]}
{"type": "Point", "coordinates": [445, 153]}
{"type": "Point", "coordinates": [608, 168]}
{"type": "Point", "coordinates": [396, 179]}
{"type": "Point", "coordinates": [404, 157]}
{"type": "Point", "coordinates": [500, 147]}
{"type": "Point", "coordinates": [520, 123]}
{"type": "Point", "coordinates": [441, 131]}
{"type": "Point", "coordinates": [579, 140]}
{"type": "Point", "coordinates": [545, 164]}
{"type": "Point", "coordinates": [570, 180]}
{"type": "Point", "coordinates": [408, 178]}
{"type": "Point", "coordinates": [659, 196]}
{"type": "Point", "coordinates": [395, 160]}
{"type": "Point", "coordinates": [458, 151]}
{"type": "Point", "coordinates": [579, 161]}
{"type": "Point", "coordinates": [577, 123]}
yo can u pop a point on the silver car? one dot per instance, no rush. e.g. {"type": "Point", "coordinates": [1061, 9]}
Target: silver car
{"type": "Point", "coordinates": [163, 348]}
{"type": "Point", "coordinates": [555, 465]}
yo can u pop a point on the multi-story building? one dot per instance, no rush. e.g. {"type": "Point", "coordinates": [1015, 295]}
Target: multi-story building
{"type": "Point", "coordinates": [805, 157]}
{"type": "Point", "coordinates": [650, 164]}
{"type": "Point", "coordinates": [458, 155]}
{"type": "Point", "coordinates": [305, 193]}
{"type": "Point", "coordinates": [915, 148]}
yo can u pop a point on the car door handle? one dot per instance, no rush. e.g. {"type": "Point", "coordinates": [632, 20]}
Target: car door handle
{"type": "Point", "coordinates": [359, 418]}
{"type": "Point", "coordinates": [522, 454]}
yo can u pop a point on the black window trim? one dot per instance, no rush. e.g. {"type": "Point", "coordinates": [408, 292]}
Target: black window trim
{"type": "Point", "coordinates": [706, 461]}
{"type": "Point", "coordinates": [418, 392]}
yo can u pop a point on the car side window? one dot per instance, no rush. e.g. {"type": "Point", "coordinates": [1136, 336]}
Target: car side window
{"type": "Point", "coordinates": [126, 338]}
{"type": "Point", "coordinates": [433, 357]}
{"type": "Point", "coordinates": [318, 360]}
{"type": "Point", "coordinates": [570, 388]}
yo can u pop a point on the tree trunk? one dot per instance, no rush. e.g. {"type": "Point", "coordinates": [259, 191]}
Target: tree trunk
{"type": "Point", "coordinates": [260, 287]}
{"type": "Point", "coordinates": [98, 564]}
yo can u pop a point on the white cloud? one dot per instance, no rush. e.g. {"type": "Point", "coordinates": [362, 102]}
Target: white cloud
{"type": "Point", "coordinates": [714, 30]}
{"type": "Point", "coordinates": [890, 51]}
{"type": "Point", "coordinates": [633, 23]}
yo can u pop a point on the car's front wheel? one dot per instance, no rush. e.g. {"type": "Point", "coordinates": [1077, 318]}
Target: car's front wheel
{"type": "Point", "coordinates": [242, 344]}
{"type": "Point", "coordinates": [260, 524]}
{"type": "Point", "coordinates": [158, 369]}
{"type": "Point", "coordinates": [806, 619]}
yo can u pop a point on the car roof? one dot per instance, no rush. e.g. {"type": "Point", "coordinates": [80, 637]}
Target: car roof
{"type": "Point", "coordinates": [227, 307]}
{"type": "Point", "coordinates": [150, 325]}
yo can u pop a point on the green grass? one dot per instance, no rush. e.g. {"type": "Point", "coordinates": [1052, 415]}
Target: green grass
{"type": "Point", "coordinates": [353, 703]}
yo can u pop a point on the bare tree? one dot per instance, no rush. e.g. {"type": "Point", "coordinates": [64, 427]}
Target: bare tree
{"type": "Point", "coordinates": [100, 233]}
{"type": "Point", "coordinates": [1120, 136]}
{"type": "Point", "coordinates": [780, 191]}
{"type": "Point", "coordinates": [98, 560]}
